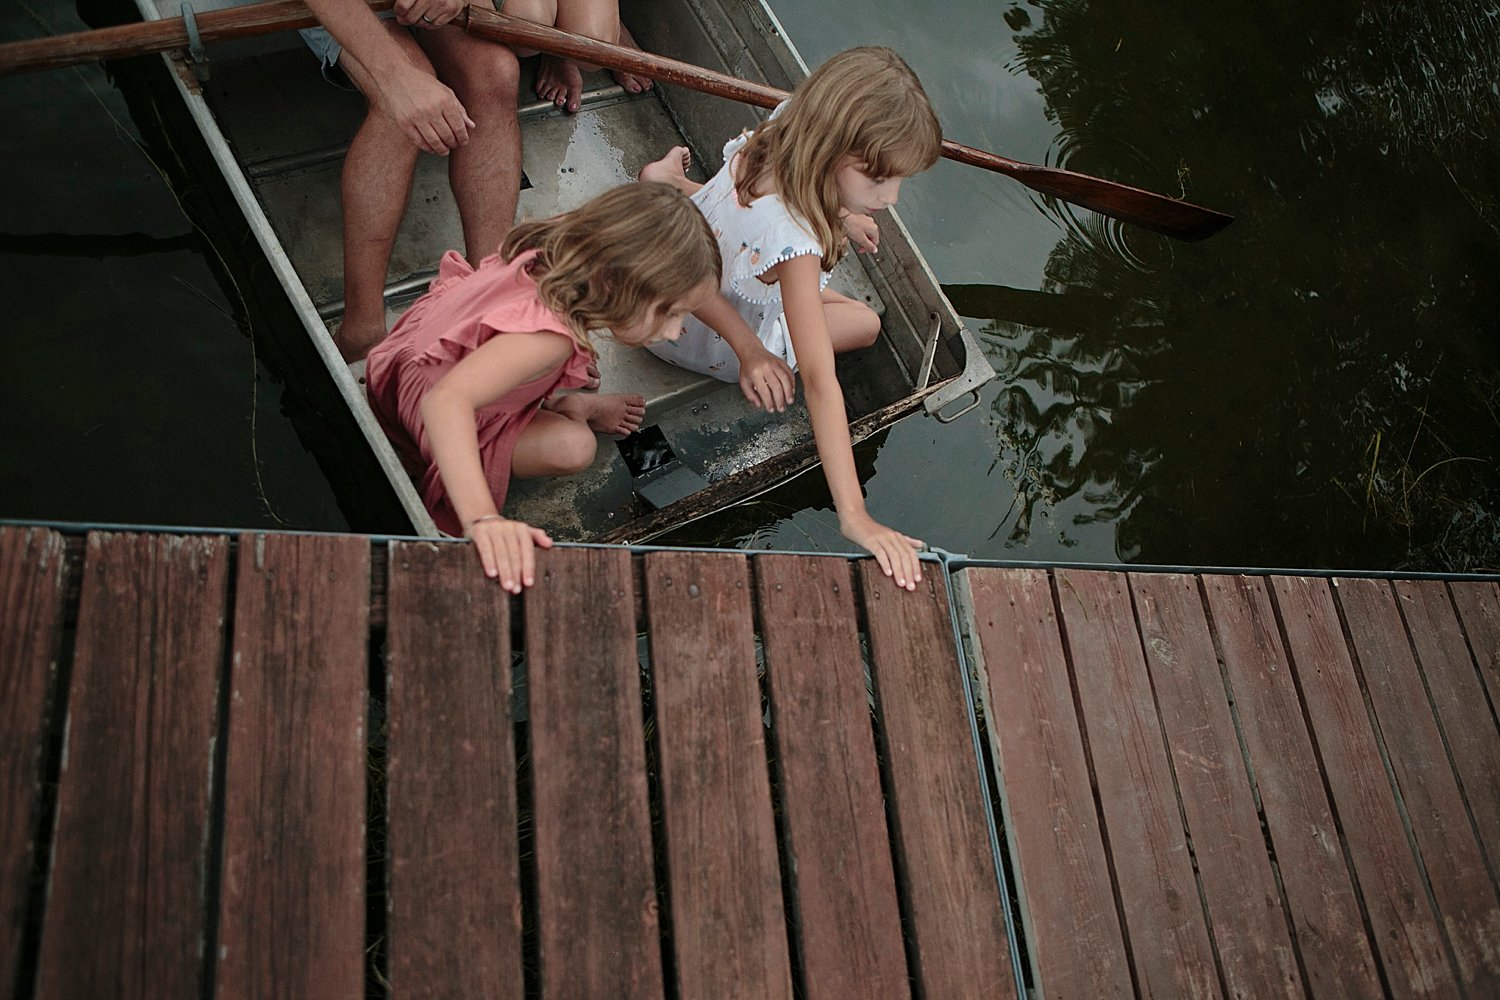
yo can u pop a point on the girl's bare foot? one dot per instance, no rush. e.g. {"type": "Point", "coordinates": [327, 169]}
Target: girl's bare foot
{"type": "Point", "coordinates": [559, 81]}
{"type": "Point", "coordinates": [633, 84]}
{"type": "Point", "coordinates": [670, 168]}
{"type": "Point", "coordinates": [615, 413]}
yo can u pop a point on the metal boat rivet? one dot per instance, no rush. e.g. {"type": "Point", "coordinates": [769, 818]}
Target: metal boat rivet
{"type": "Point", "coordinates": [692, 590]}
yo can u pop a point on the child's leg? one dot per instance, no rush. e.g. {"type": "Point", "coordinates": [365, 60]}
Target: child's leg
{"type": "Point", "coordinates": [852, 325]}
{"type": "Point", "coordinates": [560, 440]}
{"type": "Point", "coordinates": [672, 169]}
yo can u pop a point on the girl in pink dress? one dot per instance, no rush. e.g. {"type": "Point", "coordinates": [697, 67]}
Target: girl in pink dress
{"type": "Point", "coordinates": [464, 384]}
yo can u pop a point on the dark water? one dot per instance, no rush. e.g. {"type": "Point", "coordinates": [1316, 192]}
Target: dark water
{"type": "Point", "coordinates": [132, 392]}
{"type": "Point", "coordinates": [1318, 386]}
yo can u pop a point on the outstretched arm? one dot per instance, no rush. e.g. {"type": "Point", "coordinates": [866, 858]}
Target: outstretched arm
{"type": "Point", "coordinates": [505, 547]}
{"type": "Point", "coordinates": [428, 112]}
{"type": "Point", "coordinates": [765, 379]}
{"type": "Point", "coordinates": [808, 326]}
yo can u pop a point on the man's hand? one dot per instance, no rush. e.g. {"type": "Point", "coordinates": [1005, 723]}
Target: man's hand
{"type": "Point", "coordinates": [428, 13]}
{"type": "Point", "coordinates": [427, 111]}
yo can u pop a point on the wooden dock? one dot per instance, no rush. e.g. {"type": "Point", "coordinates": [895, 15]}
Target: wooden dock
{"type": "Point", "coordinates": [333, 766]}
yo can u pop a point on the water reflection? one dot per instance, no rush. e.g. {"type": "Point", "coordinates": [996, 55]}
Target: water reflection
{"type": "Point", "coordinates": [1317, 386]}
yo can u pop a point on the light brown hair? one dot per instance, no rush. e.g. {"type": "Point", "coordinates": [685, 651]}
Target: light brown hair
{"type": "Point", "coordinates": [865, 103]}
{"type": "Point", "coordinates": [605, 263]}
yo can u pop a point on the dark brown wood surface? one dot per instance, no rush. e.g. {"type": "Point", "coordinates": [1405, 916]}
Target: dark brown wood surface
{"type": "Point", "coordinates": [133, 818]}
{"type": "Point", "coordinates": [292, 913]}
{"type": "Point", "coordinates": [937, 808]}
{"type": "Point", "coordinates": [1329, 932]}
{"type": "Point", "coordinates": [843, 884]}
{"type": "Point", "coordinates": [728, 920]}
{"type": "Point", "coordinates": [1147, 843]}
{"type": "Point", "coordinates": [1478, 606]}
{"type": "Point", "coordinates": [1239, 888]}
{"type": "Point", "coordinates": [1458, 697]}
{"type": "Point", "coordinates": [1073, 931]}
{"type": "Point", "coordinates": [454, 872]}
{"type": "Point", "coordinates": [1409, 941]}
{"type": "Point", "coordinates": [596, 897]}
{"type": "Point", "coordinates": [1434, 808]}
{"type": "Point", "coordinates": [32, 584]}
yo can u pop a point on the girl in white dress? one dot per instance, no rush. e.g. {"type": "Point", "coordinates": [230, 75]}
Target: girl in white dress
{"type": "Point", "coordinates": [791, 196]}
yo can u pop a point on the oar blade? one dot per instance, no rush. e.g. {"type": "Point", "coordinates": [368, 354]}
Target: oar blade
{"type": "Point", "coordinates": [1169, 216]}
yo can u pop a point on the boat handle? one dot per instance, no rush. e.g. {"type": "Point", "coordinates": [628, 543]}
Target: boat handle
{"type": "Point", "coordinates": [944, 417]}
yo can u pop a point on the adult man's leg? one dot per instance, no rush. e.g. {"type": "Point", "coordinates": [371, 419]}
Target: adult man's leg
{"type": "Point", "coordinates": [376, 185]}
{"type": "Point", "coordinates": [485, 174]}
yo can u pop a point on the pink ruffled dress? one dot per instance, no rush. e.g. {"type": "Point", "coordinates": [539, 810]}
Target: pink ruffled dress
{"type": "Point", "coordinates": [462, 310]}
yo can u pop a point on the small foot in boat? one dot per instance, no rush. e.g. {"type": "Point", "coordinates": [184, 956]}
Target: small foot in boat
{"type": "Point", "coordinates": [594, 378]}
{"type": "Point", "coordinates": [616, 413]}
{"type": "Point", "coordinates": [670, 168]}
{"type": "Point", "coordinates": [559, 81]}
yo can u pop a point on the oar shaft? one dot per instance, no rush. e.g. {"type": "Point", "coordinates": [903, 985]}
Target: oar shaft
{"type": "Point", "coordinates": [1159, 213]}
{"type": "Point", "coordinates": [146, 37]}
{"type": "Point", "coordinates": [1169, 216]}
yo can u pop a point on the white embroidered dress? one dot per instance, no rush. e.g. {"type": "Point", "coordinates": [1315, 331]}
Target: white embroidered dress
{"type": "Point", "coordinates": [752, 240]}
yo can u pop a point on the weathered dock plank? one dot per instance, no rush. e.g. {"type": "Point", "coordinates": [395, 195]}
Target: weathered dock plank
{"type": "Point", "coordinates": [1073, 931]}
{"type": "Point", "coordinates": [728, 919]}
{"type": "Point", "coordinates": [1239, 888]}
{"type": "Point", "coordinates": [128, 905]}
{"type": "Point", "coordinates": [292, 908]}
{"type": "Point", "coordinates": [1329, 932]}
{"type": "Point", "coordinates": [937, 805]}
{"type": "Point", "coordinates": [844, 891]}
{"type": "Point", "coordinates": [1451, 859]}
{"type": "Point", "coordinates": [1478, 606]}
{"type": "Point", "coordinates": [32, 584]}
{"type": "Point", "coordinates": [1164, 916]}
{"type": "Point", "coordinates": [1409, 941]}
{"type": "Point", "coordinates": [454, 872]}
{"type": "Point", "coordinates": [596, 895]}
{"type": "Point", "coordinates": [1458, 697]}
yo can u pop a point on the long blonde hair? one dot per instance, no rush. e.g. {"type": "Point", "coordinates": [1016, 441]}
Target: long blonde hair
{"type": "Point", "coordinates": [865, 103]}
{"type": "Point", "coordinates": [605, 263]}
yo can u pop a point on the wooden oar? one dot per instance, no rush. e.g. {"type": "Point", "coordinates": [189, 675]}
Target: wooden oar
{"type": "Point", "coordinates": [1169, 216]}
{"type": "Point", "coordinates": [1159, 213]}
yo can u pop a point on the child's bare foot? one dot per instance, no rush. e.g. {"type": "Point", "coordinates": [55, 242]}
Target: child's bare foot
{"type": "Point", "coordinates": [355, 339]}
{"type": "Point", "coordinates": [670, 168]}
{"type": "Point", "coordinates": [559, 81]}
{"type": "Point", "coordinates": [594, 378]}
{"type": "Point", "coordinates": [606, 413]}
{"type": "Point", "coordinates": [633, 84]}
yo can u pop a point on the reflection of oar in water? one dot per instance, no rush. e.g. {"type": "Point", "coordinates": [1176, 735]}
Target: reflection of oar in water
{"type": "Point", "coordinates": [1168, 216]}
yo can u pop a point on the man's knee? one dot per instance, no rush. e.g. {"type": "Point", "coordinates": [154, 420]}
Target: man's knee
{"type": "Point", "coordinates": [485, 72]}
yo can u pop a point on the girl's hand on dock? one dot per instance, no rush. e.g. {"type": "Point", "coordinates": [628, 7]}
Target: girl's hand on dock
{"type": "Point", "coordinates": [507, 550]}
{"type": "Point", "coordinates": [896, 553]}
{"type": "Point", "coordinates": [768, 382]}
